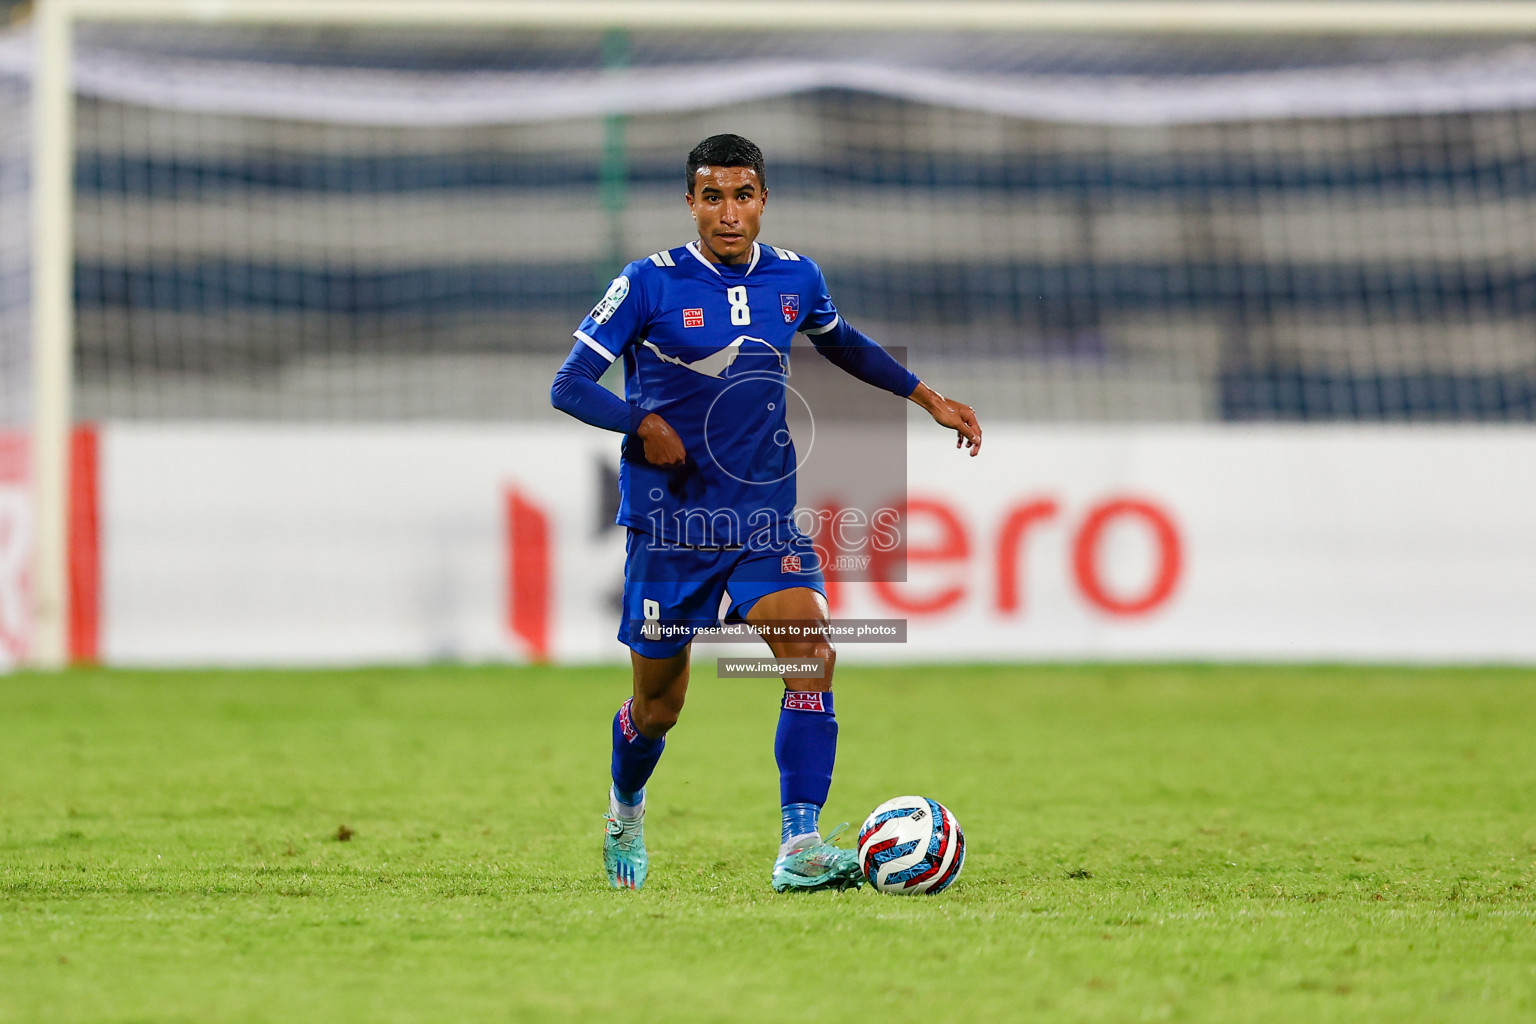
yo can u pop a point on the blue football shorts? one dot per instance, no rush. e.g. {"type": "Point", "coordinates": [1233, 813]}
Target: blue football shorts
{"type": "Point", "coordinates": [680, 588]}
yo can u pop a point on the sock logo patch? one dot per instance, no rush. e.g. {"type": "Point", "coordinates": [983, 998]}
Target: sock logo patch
{"type": "Point", "coordinates": [804, 700]}
{"type": "Point", "coordinates": [626, 726]}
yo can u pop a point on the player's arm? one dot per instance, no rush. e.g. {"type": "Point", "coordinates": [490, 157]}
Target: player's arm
{"type": "Point", "coordinates": [607, 331]}
{"type": "Point", "coordinates": [576, 391]}
{"type": "Point", "coordinates": [863, 357]}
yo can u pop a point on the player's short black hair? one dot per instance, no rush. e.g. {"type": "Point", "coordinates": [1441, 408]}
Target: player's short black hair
{"type": "Point", "coordinates": [726, 151]}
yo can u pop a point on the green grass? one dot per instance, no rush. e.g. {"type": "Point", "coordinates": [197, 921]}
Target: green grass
{"type": "Point", "coordinates": [1180, 843]}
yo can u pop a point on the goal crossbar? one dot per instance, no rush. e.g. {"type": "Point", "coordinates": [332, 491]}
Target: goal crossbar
{"type": "Point", "coordinates": [1181, 16]}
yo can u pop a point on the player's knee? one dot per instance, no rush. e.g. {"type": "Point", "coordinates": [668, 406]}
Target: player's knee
{"type": "Point", "coordinates": [655, 717]}
{"type": "Point", "coordinates": [821, 650]}
{"type": "Point", "coordinates": [825, 652]}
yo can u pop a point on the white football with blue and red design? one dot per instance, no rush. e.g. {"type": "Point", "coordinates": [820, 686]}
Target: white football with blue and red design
{"type": "Point", "coordinates": [911, 845]}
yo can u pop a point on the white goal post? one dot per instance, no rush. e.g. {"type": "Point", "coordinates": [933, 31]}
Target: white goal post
{"type": "Point", "coordinates": [53, 135]}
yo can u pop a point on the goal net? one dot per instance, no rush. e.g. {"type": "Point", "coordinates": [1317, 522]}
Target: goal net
{"type": "Point", "coordinates": [375, 225]}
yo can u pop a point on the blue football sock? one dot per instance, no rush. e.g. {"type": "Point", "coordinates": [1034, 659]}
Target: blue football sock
{"type": "Point", "coordinates": [805, 747]}
{"type": "Point", "coordinates": [799, 820]}
{"type": "Point", "coordinates": [634, 757]}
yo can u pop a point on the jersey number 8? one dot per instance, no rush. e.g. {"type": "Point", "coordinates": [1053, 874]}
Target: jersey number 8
{"type": "Point", "coordinates": [741, 314]}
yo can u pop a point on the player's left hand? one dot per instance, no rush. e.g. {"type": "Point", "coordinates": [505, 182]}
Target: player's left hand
{"type": "Point", "coordinates": [957, 416]}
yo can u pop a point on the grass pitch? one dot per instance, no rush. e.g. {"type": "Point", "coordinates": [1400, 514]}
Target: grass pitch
{"type": "Point", "coordinates": [1181, 843]}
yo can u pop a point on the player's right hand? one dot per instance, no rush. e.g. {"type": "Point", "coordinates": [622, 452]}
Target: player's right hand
{"type": "Point", "coordinates": [662, 445]}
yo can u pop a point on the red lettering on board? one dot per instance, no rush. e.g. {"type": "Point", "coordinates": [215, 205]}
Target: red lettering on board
{"type": "Point", "coordinates": [952, 548]}
{"type": "Point", "coordinates": [1012, 537]}
{"type": "Point", "coordinates": [1085, 556]}
{"type": "Point", "coordinates": [530, 595]}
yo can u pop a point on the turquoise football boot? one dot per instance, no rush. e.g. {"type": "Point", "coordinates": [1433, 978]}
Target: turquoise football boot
{"type": "Point", "coordinates": [819, 866]}
{"type": "Point", "coordinates": [624, 851]}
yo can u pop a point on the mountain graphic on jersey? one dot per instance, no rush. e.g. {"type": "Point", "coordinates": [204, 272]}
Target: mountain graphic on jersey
{"type": "Point", "coordinates": [790, 306]}
{"type": "Point", "coordinates": [718, 362]}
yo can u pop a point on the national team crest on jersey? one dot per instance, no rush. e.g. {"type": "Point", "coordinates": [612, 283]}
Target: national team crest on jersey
{"type": "Point", "coordinates": [790, 305]}
{"type": "Point", "coordinates": [789, 563]}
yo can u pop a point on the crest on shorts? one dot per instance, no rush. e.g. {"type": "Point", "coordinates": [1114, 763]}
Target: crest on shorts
{"type": "Point", "coordinates": [789, 563]}
{"type": "Point", "coordinates": [790, 305]}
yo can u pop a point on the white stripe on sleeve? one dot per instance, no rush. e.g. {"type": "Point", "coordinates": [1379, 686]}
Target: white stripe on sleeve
{"type": "Point", "coordinates": [586, 339]}
{"type": "Point", "coordinates": [823, 330]}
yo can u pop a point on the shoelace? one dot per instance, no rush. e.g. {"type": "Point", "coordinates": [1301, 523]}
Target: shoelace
{"type": "Point", "coordinates": [824, 854]}
{"type": "Point", "coordinates": [624, 833]}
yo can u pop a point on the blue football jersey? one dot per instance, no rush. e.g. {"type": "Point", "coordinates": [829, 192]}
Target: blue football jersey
{"type": "Point", "coordinates": [706, 346]}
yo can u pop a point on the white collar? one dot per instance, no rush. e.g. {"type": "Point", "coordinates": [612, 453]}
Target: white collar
{"type": "Point", "coordinates": [693, 247]}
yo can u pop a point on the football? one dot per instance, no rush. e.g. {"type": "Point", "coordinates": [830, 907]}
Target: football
{"type": "Point", "coordinates": [911, 845]}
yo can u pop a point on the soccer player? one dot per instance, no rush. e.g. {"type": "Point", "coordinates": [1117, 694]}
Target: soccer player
{"type": "Point", "coordinates": [707, 488]}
